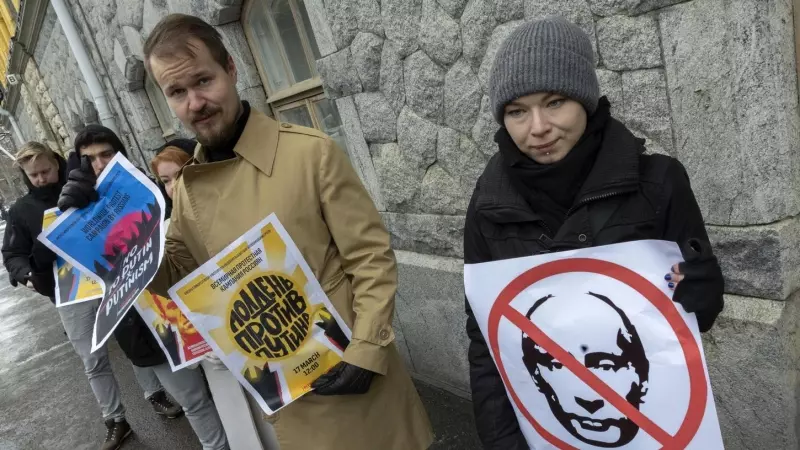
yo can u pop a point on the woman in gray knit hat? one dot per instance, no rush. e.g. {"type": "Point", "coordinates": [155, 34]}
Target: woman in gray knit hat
{"type": "Point", "coordinates": [568, 176]}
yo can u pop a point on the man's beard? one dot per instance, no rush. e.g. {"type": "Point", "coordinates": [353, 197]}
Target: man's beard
{"type": "Point", "coordinates": [216, 139]}
{"type": "Point", "coordinates": [210, 137]}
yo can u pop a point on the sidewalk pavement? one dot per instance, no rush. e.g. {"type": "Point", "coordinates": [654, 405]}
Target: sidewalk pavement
{"type": "Point", "coordinates": [46, 402]}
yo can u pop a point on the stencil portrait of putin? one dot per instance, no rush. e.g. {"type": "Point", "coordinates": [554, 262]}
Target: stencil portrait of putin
{"type": "Point", "coordinates": [599, 335]}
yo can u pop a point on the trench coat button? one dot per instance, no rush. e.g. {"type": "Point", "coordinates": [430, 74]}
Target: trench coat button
{"type": "Point", "coordinates": [286, 125]}
{"type": "Point", "coordinates": [582, 238]}
{"type": "Point", "coordinates": [384, 334]}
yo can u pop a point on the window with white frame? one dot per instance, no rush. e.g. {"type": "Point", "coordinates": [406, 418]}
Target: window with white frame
{"type": "Point", "coordinates": [283, 44]}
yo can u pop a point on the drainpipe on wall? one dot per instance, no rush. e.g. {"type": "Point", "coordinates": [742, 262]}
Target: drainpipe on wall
{"type": "Point", "coordinates": [20, 139]}
{"type": "Point", "coordinates": [85, 64]}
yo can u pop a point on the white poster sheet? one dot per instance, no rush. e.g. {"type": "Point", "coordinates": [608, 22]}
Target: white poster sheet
{"type": "Point", "coordinates": [592, 350]}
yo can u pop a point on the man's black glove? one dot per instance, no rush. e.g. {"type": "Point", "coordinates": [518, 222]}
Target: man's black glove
{"type": "Point", "coordinates": [79, 190]}
{"type": "Point", "coordinates": [701, 289]}
{"type": "Point", "coordinates": [343, 379]}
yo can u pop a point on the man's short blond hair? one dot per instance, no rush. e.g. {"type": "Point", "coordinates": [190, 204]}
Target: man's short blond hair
{"type": "Point", "coordinates": [32, 151]}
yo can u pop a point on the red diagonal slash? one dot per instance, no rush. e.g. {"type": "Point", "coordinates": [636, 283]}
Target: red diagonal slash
{"type": "Point", "coordinates": [585, 375]}
{"type": "Point", "coordinates": [698, 388]}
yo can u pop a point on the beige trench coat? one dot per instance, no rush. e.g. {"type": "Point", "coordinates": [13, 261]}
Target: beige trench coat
{"type": "Point", "coordinates": [300, 174]}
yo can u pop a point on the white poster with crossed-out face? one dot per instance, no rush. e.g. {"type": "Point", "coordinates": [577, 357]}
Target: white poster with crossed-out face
{"type": "Point", "coordinates": [592, 350]}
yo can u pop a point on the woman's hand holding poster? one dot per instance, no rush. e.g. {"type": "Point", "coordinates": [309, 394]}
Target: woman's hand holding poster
{"type": "Point", "coordinates": [259, 306]}
{"type": "Point", "coordinates": [176, 335]}
{"type": "Point", "coordinates": [592, 350]}
{"type": "Point", "coordinates": [71, 285]}
{"type": "Point", "coordinates": [118, 240]}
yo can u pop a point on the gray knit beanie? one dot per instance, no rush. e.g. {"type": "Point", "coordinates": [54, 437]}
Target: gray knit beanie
{"type": "Point", "coordinates": [546, 55]}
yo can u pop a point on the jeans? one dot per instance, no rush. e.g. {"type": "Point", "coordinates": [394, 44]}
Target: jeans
{"type": "Point", "coordinates": [78, 322]}
{"type": "Point", "coordinates": [186, 386]}
{"type": "Point", "coordinates": [148, 380]}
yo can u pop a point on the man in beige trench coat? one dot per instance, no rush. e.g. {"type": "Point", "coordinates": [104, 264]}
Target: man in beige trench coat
{"type": "Point", "coordinates": [248, 166]}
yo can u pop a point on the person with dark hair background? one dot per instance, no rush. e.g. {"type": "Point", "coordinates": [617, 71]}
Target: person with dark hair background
{"type": "Point", "coordinates": [30, 263]}
{"type": "Point", "coordinates": [95, 147]}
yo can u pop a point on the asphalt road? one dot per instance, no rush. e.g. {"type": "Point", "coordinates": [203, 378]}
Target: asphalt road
{"type": "Point", "coordinates": [46, 402]}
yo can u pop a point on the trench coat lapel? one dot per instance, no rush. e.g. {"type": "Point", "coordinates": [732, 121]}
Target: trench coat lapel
{"type": "Point", "coordinates": [257, 145]}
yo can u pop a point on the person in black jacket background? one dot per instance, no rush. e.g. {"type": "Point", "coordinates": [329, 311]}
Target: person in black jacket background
{"type": "Point", "coordinates": [95, 147]}
{"type": "Point", "coordinates": [568, 176]}
{"type": "Point", "coordinates": [28, 261]}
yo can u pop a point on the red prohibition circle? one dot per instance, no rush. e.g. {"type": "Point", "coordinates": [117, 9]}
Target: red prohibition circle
{"type": "Point", "coordinates": [698, 389]}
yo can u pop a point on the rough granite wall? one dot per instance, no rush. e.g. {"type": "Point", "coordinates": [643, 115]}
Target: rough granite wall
{"type": "Point", "coordinates": [25, 120]}
{"type": "Point", "coordinates": [711, 82]}
{"type": "Point", "coordinates": [702, 80]}
{"type": "Point", "coordinates": [417, 81]}
{"type": "Point", "coordinates": [60, 82]}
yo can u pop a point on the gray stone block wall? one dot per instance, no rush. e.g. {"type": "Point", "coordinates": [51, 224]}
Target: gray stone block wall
{"type": "Point", "coordinates": [60, 77]}
{"type": "Point", "coordinates": [711, 82]}
{"type": "Point", "coordinates": [426, 78]}
{"type": "Point", "coordinates": [25, 121]}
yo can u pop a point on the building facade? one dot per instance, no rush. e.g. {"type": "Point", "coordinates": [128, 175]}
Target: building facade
{"type": "Point", "coordinates": [401, 84]}
{"type": "Point", "coordinates": [9, 9]}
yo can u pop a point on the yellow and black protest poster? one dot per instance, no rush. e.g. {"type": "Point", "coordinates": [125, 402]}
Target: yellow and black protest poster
{"type": "Point", "coordinates": [259, 306]}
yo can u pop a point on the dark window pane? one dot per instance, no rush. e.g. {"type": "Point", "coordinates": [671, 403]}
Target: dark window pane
{"type": "Point", "coordinates": [312, 41]}
{"type": "Point", "coordinates": [329, 121]}
{"type": "Point", "coordinates": [298, 116]}
{"type": "Point", "coordinates": [268, 50]}
{"type": "Point", "coordinates": [289, 35]}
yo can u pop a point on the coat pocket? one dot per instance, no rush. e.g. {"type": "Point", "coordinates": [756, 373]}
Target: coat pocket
{"type": "Point", "coordinates": [509, 240]}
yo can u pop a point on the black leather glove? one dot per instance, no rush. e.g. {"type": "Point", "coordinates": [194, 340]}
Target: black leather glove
{"type": "Point", "coordinates": [79, 191]}
{"type": "Point", "coordinates": [701, 289]}
{"type": "Point", "coordinates": [343, 379]}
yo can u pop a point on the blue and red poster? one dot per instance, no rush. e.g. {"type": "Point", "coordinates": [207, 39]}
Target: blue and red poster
{"type": "Point", "coordinates": [118, 240]}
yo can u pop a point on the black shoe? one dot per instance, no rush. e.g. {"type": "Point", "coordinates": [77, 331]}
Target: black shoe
{"type": "Point", "coordinates": [163, 406]}
{"type": "Point", "coordinates": [117, 432]}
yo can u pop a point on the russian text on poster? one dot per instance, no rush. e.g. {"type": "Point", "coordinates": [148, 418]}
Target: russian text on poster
{"type": "Point", "coordinates": [259, 306]}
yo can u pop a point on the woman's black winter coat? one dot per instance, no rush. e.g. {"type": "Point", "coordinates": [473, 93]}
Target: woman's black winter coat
{"type": "Point", "coordinates": [627, 196]}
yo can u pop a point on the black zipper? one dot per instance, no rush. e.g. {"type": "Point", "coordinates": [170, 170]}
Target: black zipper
{"type": "Point", "coordinates": [593, 199]}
